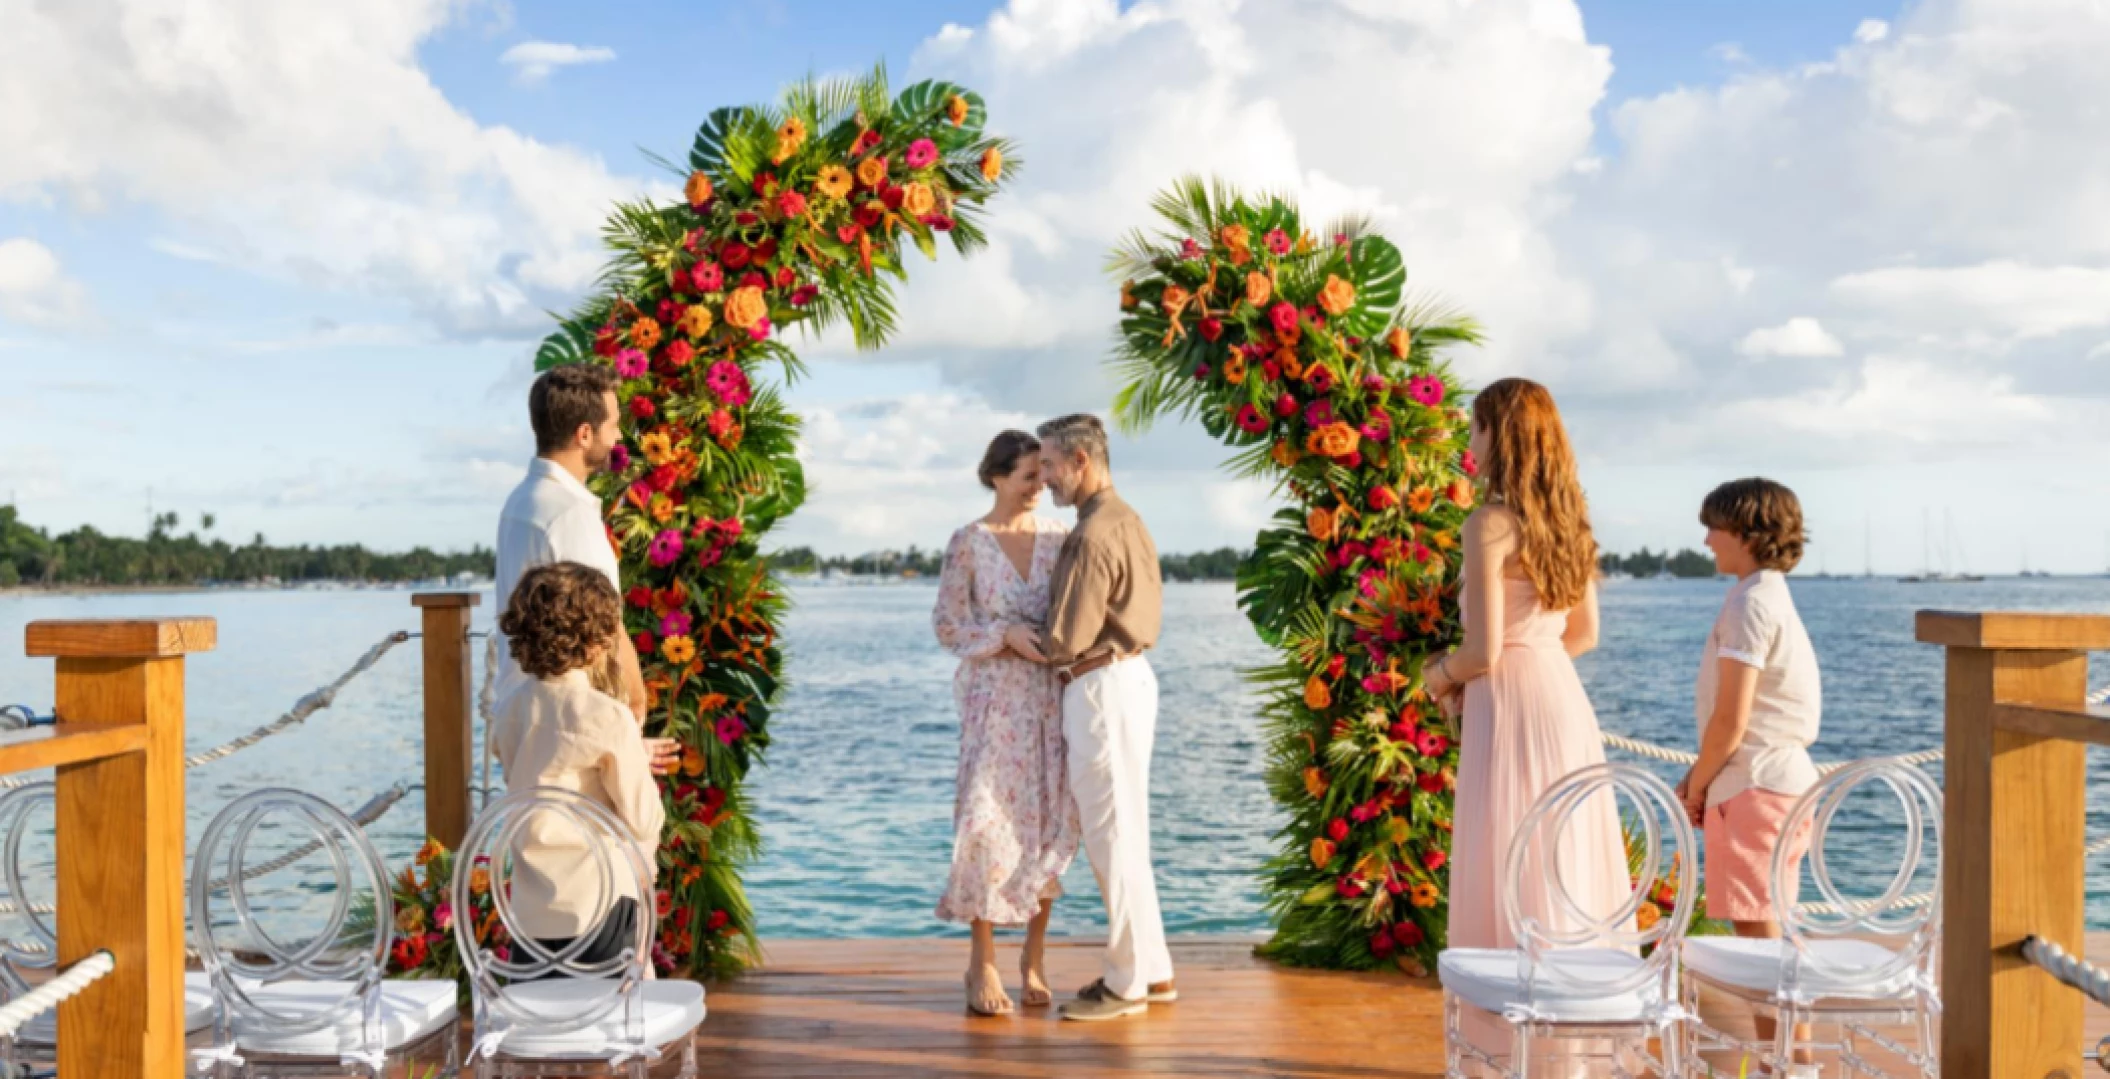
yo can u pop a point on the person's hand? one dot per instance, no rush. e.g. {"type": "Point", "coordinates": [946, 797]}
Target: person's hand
{"type": "Point", "coordinates": [1435, 679]}
{"type": "Point", "coordinates": [1695, 801]}
{"type": "Point", "coordinates": [1025, 641]}
{"type": "Point", "coordinates": [1452, 704]}
{"type": "Point", "coordinates": [665, 755]}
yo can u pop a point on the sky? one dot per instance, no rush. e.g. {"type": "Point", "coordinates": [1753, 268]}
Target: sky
{"type": "Point", "coordinates": [287, 263]}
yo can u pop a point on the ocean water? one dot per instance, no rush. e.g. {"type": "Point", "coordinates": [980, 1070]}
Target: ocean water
{"type": "Point", "coordinates": [856, 798]}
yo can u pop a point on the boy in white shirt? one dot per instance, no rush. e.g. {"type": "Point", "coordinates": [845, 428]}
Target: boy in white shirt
{"type": "Point", "coordinates": [1758, 706]}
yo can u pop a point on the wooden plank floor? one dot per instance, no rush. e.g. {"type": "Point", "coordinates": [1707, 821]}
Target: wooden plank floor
{"type": "Point", "coordinates": [894, 1008]}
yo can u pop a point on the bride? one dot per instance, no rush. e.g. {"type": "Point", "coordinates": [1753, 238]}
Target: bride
{"type": "Point", "coordinates": [1015, 826]}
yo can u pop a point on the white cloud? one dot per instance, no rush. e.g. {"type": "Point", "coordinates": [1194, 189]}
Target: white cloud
{"type": "Point", "coordinates": [33, 289]}
{"type": "Point", "coordinates": [533, 61]}
{"type": "Point", "coordinates": [1871, 31]}
{"type": "Point", "coordinates": [2001, 295]}
{"type": "Point", "coordinates": [1798, 337]}
{"type": "Point", "coordinates": [306, 142]}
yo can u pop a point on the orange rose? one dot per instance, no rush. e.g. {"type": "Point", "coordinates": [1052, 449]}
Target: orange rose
{"type": "Point", "coordinates": [956, 110]}
{"type": "Point", "coordinates": [1234, 236]}
{"type": "Point", "coordinates": [1317, 696]}
{"type": "Point", "coordinates": [1399, 341]}
{"type": "Point", "coordinates": [1333, 440]}
{"type": "Point", "coordinates": [1647, 917]}
{"type": "Point", "coordinates": [745, 307]}
{"type": "Point", "coordinates": [1258, 289]}
{"type": "Point", "coordinates": [917, 200]}
{"type": "Point", "coordinates": [1234, 370]}
{"type": "Point", "coordinates": [1315, 782]}
{"type": "Point", "coordinates": [644, 333]}
{"type": "Point", "coordinates": [695, 320]}
{"type": "Point", "coordinates": [1321, 852]}
{"type": "Point", "coordinates": [1320, 523]}
{"type": "Point", "coordinates": [992, 164]}
{"type": "Point", "coordinates": [698, 189]}
{"type": "Point", "coordinates": [834, 181]}
{"type": "Point", "coordinates": [1285, 454]}
{"type": "Point", "coordinates": [871, 171]}
{"type": "Point", "coordinates": [1337, 297]}
{"type": "Point", "coordinates": [1422, 499]}
{"type": "Point", "coordinates": [1461, 492]}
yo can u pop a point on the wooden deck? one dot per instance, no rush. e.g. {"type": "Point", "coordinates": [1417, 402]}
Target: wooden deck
{"type": "Point", "coordinates": [894, 1008]}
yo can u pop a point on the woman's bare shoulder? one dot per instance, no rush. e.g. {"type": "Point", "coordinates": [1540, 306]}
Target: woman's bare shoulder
{"type": "Point", "coordinates": [1491, 521]}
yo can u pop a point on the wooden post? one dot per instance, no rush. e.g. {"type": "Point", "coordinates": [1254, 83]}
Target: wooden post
{"type": "Point", "coordinates": [449, 704]}
{"type": "Point", "coordinates": [120, 840]}
{"type": "Point", "coordinates": [2012, 839]}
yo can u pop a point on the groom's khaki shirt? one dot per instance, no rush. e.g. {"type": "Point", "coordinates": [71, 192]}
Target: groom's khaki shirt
{"type": "Point", "coordinates": [1107, 597]}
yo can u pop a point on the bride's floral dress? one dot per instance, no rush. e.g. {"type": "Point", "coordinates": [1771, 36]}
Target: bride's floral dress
{"type": "Point", "coordinates": [1015, 827]}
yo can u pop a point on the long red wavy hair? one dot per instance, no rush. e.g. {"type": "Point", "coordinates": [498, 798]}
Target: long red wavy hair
{"type": "Point", "coordinates": [1530, 468]}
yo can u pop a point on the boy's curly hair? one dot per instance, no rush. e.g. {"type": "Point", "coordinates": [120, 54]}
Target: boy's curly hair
{"type": "Point", "coordinates": [558, 615]}
{"type": "Point", "coordinates": [1766, 515]}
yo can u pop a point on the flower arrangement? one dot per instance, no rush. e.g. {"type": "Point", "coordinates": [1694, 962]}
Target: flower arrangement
{"type": "Point", "coordinates": [792, 215]}
{"type": "Point", "coordinates": [1297, 350]}
{"type": "Point", "coordinates": [1663, 895]}
{"type": "Point", "coordinates": [424, 911]}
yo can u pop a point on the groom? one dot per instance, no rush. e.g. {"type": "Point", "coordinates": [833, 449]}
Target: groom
{"type": "Point", "coordinates": [1103, 615]}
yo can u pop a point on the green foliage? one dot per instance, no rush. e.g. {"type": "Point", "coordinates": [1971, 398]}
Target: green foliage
{"type": "Point", "coordinates": [1305, 356]}
{"type": "Point", "coordinates": [795, 214]}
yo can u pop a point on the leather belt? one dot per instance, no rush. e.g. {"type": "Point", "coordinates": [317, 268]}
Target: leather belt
{"type": "Point", "coordinates": [1078, 670]}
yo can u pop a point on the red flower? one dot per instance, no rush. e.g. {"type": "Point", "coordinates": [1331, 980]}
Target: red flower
{"type": "Point", "coordinates": [892, 196]}
{"type": "Point", "coordinates": [942, 223]}
{"type": "Point", "coordinates": [1407, 934]}
{"type": "Point", "coordinates": [1285, 405]}
{"type": "Point", "coordinates": [1320, 378]}
{"type": "Point", "coordinates": [1431, 782]}
{"type": "Point", "coordinates": [791, 204]}
{"type": "Point", "coordinates": [717, 920]}
{"type": "Point", "coordinates": [719, 423]}
{"type": "Point", "coordinates": [1471, 466]}
{"type": "Point", "coordinates": [753, 279]}
{"type": "Point", "coordinates": [639, 597]}
{"type": "Point", "coordinates": [850, 232]}
{"type": "Point", "coordinates": [1335, 666]}
{"type": "Point", "coordinates": [1211, 329]}
{"type": "Point", "coordinates": [681, 918]}
{"type": "Point", "coordinates": [1349, 887]}
{"type": "Point", "coordinates": [680, 353]}
{"type": "Point", "coordinates": [870, 215]}
{"type": "Point", "coordinates": [642, 407]}
{"type": "Point", "coordinates": [1383, 498]}
{"type": "Point", "coordinates": [1381, 944]}
{"type": "Point", "coordinates": [785, 278]}
{"type": "Point", "coordinates": [1434, 860]}
{"type": "Point", "coordinates": [644, 642]}
{"type": "Point", "coordinates": [1278, 241]}
{"type": "Point", "coordinates": [803, 295]}
{"type": "Point", "coordinates": [1283, 315]}
{"type": "Point", "coordinates": [1201, 371]}
{"type": "Point", "coordinates": [1337, 830]}
{"type": "Point", "coordinates": [866, 142]}
{"type": "Point", "coordinates": [707, 277]}
{"type": "Point", "coordinates": [747, 219]}
{"type": "Point", "coordinates": [735, 256]}
{"type": "Point", "coordinates": [766, 250]}
{"type": "Point", "coordinates": [765, 183]}
{"type": "Point", "coordinates": [1251, 421]}
{"type": "Point", "coordinates": [663, 902]}
{"type": "Point", "coordinates": [410, 953]}
{"type": "Point", "coordinates": [663, 478]}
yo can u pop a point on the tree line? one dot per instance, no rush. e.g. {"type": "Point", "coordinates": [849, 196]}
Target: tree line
{"type": "Point", "coordinates": [31, 556]}
{"type": "Point", "coordinates": [1647, 563]}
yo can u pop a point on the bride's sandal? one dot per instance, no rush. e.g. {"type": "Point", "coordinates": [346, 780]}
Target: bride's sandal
{"type": "Point", "coordinates": [989, 1002]}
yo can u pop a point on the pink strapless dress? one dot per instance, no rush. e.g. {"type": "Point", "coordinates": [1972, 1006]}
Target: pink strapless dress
{"type": "Point", "coordinates": [1527, 725]}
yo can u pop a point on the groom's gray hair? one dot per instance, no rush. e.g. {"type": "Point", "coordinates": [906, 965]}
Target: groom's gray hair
{"type": "Point", "coordinates": [1081, 431]}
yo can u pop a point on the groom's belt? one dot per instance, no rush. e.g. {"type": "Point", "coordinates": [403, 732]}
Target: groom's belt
{"type": "Point", "coordinates": [1081, 668]}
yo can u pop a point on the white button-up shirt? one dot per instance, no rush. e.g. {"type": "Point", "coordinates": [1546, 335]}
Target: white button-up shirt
{"type": "Point", "coordinates": [550, 517]}
{"type": "Point", "coordinates": [1759, 627]}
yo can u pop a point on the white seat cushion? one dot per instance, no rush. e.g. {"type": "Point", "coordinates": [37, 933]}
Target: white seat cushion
{"type": "Point", "coordinates": [410, 1010]}
{"type": "Point", "coordinates": [672, 1010]}
{"type": "Point", "coordinates": [1487, 978]}
{"type": "Point", "coordinates": [199, 1008]}
{"type": "Point", "coordinates": [1756, 965]}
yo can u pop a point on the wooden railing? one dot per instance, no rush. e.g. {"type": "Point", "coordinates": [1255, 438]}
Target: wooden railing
{"type": "Point", "coordinates": [118, 748]}
{"type": "Point", "coordinates": [450, 692]}
{"type": "Point", "coordinates": [2015, 787]}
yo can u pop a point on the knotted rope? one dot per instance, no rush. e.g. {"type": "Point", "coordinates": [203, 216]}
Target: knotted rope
{"type": "Point", "coordinates": [17, 1013]}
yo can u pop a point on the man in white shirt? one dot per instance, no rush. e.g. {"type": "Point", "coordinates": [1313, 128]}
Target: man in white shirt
{"type": "Point", "coordinates": [551, 516]}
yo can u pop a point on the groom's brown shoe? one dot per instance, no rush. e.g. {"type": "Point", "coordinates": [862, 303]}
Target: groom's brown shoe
{"type": "Point", "coordinates": [1095, 1002]}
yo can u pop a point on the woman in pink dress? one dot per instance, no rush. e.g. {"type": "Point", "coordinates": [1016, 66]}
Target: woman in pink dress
{"type": "Point", "coordinates": [1015, 826]}
{"type": "Point", "coordinates": [1530, 607]}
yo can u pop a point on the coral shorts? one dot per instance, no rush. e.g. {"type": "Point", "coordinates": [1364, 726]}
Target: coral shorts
{"type": "Point", "coordinates": [1741, 836]}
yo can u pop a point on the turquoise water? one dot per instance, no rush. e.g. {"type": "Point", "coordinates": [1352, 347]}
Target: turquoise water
{"type": "Point", "coordinates": [856, 801]}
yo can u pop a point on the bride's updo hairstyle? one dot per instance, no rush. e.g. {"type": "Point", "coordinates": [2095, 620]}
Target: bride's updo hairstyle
{"type": "Point", "coordinates": [1530, 468]}
{"type": "Point", "coordinates": [1003, 455]}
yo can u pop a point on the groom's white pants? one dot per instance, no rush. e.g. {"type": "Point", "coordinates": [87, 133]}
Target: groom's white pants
{"type": "Point", "coordinates": [1109, 718]}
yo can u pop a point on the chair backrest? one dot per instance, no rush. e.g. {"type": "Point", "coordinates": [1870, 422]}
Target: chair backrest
{"type": "Point", "coordinates": [494, 933]}
{"type": "Point", "coordinates": [244, 956]}
{"type": "Point", "coordinates": [1898, 912]}
{"type": "Point", "coordinates": [1545, 913]}
{"type": "Point", "coordinates": [31, 940]}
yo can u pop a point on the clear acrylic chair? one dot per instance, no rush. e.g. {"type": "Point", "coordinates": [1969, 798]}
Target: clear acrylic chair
{"type": "Point", "coordinates": [316, 1005]}
{"type": "Point", "coordinates": [1855, 962]}
{"type": "Point", "coordinates": [541, 1007]}
{"type": "Point", "coordinates": [1577, 977]}
{"type": "Point", "coordinates": [29, 943]}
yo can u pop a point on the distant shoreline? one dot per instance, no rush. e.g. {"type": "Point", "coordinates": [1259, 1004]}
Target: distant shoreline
{"type": "Point", "coordinates": [318, 585]}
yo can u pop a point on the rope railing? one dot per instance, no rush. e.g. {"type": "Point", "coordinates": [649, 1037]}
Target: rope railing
{"type": "Point", "coordinates": [2070, 969]}
{"type": "Point", "coordinates": [1679, 756]}
{"type": "Point", "coordinates": [17, 1013]}
{"type": "Point", "coordinates": [315, 701]}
